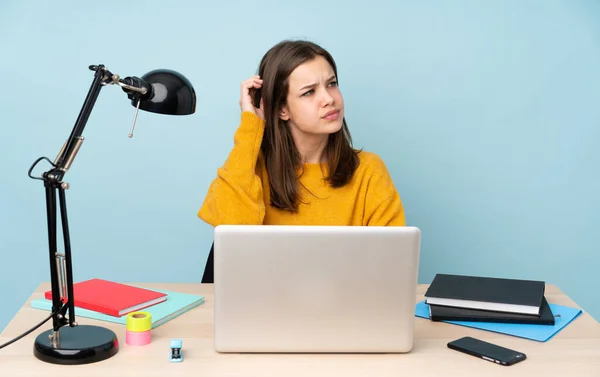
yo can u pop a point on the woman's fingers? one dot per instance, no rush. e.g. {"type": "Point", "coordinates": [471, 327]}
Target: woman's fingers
{"type": "Point", "coordinates": [247, 88]}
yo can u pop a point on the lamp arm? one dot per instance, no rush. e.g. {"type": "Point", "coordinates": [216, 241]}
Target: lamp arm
{"type": "Point", "coordinates": [61, 272]}
{"type": "Point", "coordinates": [64, 159]}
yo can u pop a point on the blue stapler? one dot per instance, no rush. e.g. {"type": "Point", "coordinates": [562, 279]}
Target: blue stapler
{"type": "Point", "coordinates": [176, 353]}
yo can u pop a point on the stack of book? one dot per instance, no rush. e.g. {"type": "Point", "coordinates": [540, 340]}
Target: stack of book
{"type": "Point", "coordinates": [111, 301]}
{"type": "Point", "coordinates": [487, 299]}
{"type": "Point", "coordinates": [112, 298]}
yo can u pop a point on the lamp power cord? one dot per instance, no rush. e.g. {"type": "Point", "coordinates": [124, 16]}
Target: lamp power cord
{"type": "Point", "coordinates": [28, 331]}
{"type": "Point", "coordinates": [35, 163]}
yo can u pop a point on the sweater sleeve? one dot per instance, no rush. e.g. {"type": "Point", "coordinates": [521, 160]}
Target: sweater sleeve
{"type": "Point", "coordinates": [235, 196]}
{"type": "Point", "coordinates": [383, 203]}
{"type": "Point", "coordinates": [388, 213]}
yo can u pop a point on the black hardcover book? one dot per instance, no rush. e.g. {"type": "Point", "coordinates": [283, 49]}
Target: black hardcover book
{"type": "Point", "coordinates": [486, 293]}
{"type": "Point", "coordinates": [448, 313]}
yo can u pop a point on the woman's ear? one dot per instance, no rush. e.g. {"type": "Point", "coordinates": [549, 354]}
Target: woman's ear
{"type": "Point", "coordinates": [284, 114]}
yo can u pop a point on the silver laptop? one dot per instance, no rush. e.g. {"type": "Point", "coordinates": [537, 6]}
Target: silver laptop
{"type": "Point", "coordinates": [314, 289]}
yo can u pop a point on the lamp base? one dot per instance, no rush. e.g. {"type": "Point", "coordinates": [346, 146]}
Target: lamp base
{"type": "Point", "coordinates": [81, 344]}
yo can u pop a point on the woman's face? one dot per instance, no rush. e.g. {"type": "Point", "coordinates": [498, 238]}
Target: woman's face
{"type": "Point", "coordinates": [315, 106]}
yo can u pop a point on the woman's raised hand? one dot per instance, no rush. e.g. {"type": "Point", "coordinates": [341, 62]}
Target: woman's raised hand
{"type": "Point", "coordinates": [247, 90]}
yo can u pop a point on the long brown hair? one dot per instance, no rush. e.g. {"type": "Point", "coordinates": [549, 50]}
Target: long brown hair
{"type": "Point", "coordinates": [282, 158]}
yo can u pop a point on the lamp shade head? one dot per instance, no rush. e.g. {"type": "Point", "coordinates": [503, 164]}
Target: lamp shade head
{"type": "Point", "coordinates": [170, 93]}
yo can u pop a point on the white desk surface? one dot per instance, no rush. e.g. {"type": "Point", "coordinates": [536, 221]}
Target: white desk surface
{"type": "Point", "coordinates": [575, 351]}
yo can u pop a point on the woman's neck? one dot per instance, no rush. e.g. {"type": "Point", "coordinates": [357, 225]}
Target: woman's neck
{"type": "Point", "coordinates": [311, 147]}
{"type": "Point", "coordinates": [312, 153]}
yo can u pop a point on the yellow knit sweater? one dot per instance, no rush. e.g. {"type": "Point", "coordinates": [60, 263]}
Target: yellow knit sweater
{"type": "Point", "coordinates": [240, 193]}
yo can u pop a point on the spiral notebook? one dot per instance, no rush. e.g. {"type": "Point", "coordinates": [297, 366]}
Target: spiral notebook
{"type": "Point", "coordinates": [176, 304]}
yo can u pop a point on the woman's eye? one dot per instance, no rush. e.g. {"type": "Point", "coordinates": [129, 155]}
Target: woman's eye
{"type": "Point", "coordinates": [308, 93]}
{"type": "Point", "coordinates": [333, 83]}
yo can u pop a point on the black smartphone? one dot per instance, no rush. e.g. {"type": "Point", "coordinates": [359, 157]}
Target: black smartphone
{"type": "Point", "coordinates": [487, 351]}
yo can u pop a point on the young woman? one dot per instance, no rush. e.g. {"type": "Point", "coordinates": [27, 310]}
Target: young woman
{"type": "Point", "coordinates": [293, 162]}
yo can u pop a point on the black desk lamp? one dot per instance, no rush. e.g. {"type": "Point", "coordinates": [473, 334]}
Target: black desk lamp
{"type": "Point", "coordinates": [158, 91]}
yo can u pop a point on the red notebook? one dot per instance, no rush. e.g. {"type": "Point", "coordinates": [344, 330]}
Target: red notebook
{"type": "Point", "coordinates": [112, 298]}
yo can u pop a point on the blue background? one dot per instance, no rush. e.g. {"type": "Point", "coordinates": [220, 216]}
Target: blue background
{"type": "Point", "coordinates": [486, 113]}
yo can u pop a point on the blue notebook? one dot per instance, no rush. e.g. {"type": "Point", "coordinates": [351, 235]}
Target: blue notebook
{"type": "Point", "coordinates": [176, 304]}
{"type": "Point", "coordinates": [563, 316]}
